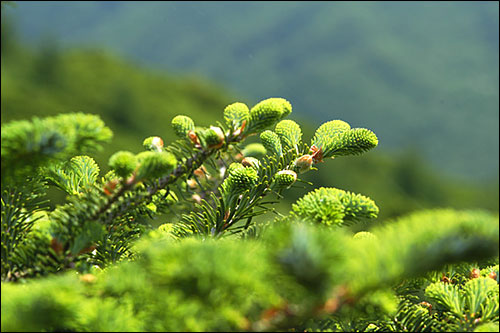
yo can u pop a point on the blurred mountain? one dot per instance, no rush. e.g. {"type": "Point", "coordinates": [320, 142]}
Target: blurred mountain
{"type": "Point", "coordinates": [420, 74]}
{"type": "Point", "coordinates": [133, 101]}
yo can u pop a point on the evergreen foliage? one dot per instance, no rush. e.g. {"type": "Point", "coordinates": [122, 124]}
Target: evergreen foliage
{"type": "Point", "coordinates": [334, 206]}
{"type": "Point", "coordinates": [236, 114]}
{"type": "Point", "coordinates": [267, 113]}
{"type": "Point", "coordinates": [430, 69]}
{"type": "Point", "coordinates": [27, 145]}
{"type": "Point", "coordinates": [155, 164]}
{"type": "Point", "coordinates": [123, 163]}
{"type": "Point", "coordinates": [75, 176]}
{"type": "Point", "coordinates": [285, 178]}
{"type": "Point", "coordinates": [271, 141]}
{"type": "Point", "coordinates": [182, 125]}
{"type": "Point", "coordinates": [214, 267]}
{"type": "Point", "coordinates": [289, 133]}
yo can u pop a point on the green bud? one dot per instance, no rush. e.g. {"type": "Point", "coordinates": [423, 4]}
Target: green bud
{"type": "Point", "coordinates": [182, 125]}
{"type": "Point", "coordinates": [331, 128]}
{"type": "Point", "coordinates": [239, 180]}
{"type": "Point", "coordinates": [256, 150]}
{"type": "Point", "coordinates": [233, 167]}
{"type": "Point", "coordinates": [245, 178]}
{"type": "Point", "coordinates": [289, 133]}
{"type": "Point", "coordinates": [235, 114]}
{"type": "Point", "coordinates": [123, 163]}
{"type": "Point", "coordinates": [353, 142]}
{"type": "Point", "coordinates": [153, 143]}
{"type": "Point", "coordinates": [154, 164]}
{"type": "Point", "coordinates": [327, 205]}
{"type": "Point", "coordinates": [336, 138]}
{"type": "Point", "coordinates": [285, 178]}
{"type": "Point", "coordinates": [325, 135]}
{"type": "Point", "coordinates": [266, 113]}
{"type": "Point", "coordinates": [212, 137]}
{"type": "Point", "coordinates": [271, 142]}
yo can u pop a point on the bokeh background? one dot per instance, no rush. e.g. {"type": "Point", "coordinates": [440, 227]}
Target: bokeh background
{"type": "Point", "coordinates": [424, 76]}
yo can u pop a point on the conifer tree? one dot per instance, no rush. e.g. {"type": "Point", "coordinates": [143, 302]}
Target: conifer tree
{"type": "Point", "coordinates": [95, 263]}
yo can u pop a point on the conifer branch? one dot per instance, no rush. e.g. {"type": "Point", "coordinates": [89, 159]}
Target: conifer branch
{"type": "Point", "coordinates": [304, 274]}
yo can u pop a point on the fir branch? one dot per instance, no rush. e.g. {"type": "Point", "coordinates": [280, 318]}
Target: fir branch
{"type": "Point", "coordinates": [182, 169]}
{"type": "Point", "coordinates": [20, 207]}
{"type": "Point", "coordinates": [27, 145]}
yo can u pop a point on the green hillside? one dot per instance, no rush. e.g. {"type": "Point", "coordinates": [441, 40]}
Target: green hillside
{"type": "Point", "coordinates": [422, 74]}
{"type": "Point", "coordinates": [133, 101]}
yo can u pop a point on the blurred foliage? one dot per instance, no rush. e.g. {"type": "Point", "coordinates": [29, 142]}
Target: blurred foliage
{"type": "Point", "coordinates": [137, 103]}
{"type": "Point", "coordinates": [430, 68]}
{"type": "Point", "coordinates": [296, 276]}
